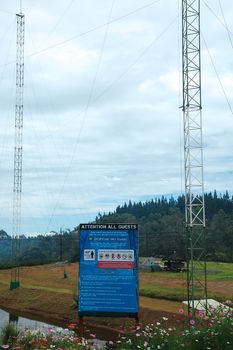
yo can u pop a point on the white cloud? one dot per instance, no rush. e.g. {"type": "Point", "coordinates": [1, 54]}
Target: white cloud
{"type": "Point", "coordinates": [171, 80]}
{"type": "Point", "coordinates": [102, 123]}
{"type": "Point", "coordinates": [148, 86]}
{"type": "Point", "coordinates": [227, 82]}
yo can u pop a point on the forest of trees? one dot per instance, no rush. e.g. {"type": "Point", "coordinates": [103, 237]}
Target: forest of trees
{"type": "Point", "coordinates": [162, 227]}
{"type": "Point", "coordinates": [161, 231]}
{"type": "Point", "coordinates": [61, 246]}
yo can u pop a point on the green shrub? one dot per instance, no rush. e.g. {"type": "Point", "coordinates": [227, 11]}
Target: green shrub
{"type": "Point", "coordinates": [7, 332]}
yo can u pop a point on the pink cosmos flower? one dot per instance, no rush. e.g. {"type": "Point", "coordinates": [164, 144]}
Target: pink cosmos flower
{"type": "Point", "coordinates": [201, 313]}
{"type": "Point", "coordinates": [181, 311]}
{"type": "Point", "coordinates": [72, 326]}
{"type": "Point", "coordinates": [192, 322]}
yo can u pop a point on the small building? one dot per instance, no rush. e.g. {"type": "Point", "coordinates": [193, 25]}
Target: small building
{"type": "Point", "coordinates": [174, 263]}
{"type": "Point", "coordinates": [149, 264]}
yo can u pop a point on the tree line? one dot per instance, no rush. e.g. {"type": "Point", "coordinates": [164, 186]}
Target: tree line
{"type": "Point", "coordinates": [61, 246]}
{"type": "Point", "coordinates": [161, 232]}
{"type": "Point", "coordinates": [162, 225]}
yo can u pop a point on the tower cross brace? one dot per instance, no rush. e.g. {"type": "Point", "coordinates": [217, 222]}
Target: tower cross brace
{"type": "Point", "coordinates": [18, 150]}
{"type": "Point", "coordinates": [193, 155]}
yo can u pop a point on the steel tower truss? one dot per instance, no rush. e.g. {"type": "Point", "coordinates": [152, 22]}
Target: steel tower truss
{"type": "Point", "coordinates": [193, 154]}
{"type": "Point", "coordinates": [18, 150]}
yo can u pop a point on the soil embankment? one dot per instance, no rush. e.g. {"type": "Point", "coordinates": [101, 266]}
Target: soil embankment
{"type": "Point", "coordinates": [59, 309]}
{"type": "Point", "coordinates": [46, 296]}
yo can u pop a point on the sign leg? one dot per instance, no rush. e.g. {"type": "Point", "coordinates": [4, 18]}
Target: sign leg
{"type": "Point", "coordinates": [81, 326]}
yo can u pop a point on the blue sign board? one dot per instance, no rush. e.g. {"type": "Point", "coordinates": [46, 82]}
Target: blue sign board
{"type": "Point", "coordinates": [108, 270]}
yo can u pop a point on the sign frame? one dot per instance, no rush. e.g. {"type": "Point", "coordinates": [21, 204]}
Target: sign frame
{"type": "Point", "coordinates": [128, 262]}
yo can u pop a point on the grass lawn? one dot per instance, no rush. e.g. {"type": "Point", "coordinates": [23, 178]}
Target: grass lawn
{"type": "Point", "coordinates": [171, 285]}
{"type": "Point", "coordinates": [167, 285]}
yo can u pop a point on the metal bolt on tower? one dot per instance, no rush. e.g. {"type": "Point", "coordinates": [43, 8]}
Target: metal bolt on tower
{"type": "Point", "coordinates": [193, 155]}
{"type": "Point", "coordinates": [18, 151]}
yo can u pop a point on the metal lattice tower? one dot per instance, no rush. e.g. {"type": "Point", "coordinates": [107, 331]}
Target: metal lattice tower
{"type": "Point", "coordinates": [193, 154]}
{"type": "Point", "coordinates": [18, 150]}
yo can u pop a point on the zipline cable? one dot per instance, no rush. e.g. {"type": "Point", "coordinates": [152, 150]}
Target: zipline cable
{"type": "Point", "coordinates": [225, 23]}
{"type": "Point", "coordinates": [229, 32]}
{"type": "Point", "coordinates": [218, 76]}
{"type": "Point", "coordinates": [57, 22]}
{"type": "Point", "coordinates": [40, 152]}
{"type": "Point", "coordinates": [8, 12]}
{"type": "Point", "coordinates": [85, 112]}
{"type": "Point", "coordinates": [107, 89]}
{"type": "Point", "coordinates": [88, 31]}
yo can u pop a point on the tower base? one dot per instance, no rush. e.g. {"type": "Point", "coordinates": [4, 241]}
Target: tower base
{"type": "Point", "coordinates": [14, 285]}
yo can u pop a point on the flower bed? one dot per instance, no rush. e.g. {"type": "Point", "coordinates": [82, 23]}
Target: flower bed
{"type": "Point", "coordinates": [57, 339]}
{"type": "Point", "coordinates": [203, 333]}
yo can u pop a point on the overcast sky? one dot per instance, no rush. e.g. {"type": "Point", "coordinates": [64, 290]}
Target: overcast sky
{"type": "Point", "coordinates": [102, 123]}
